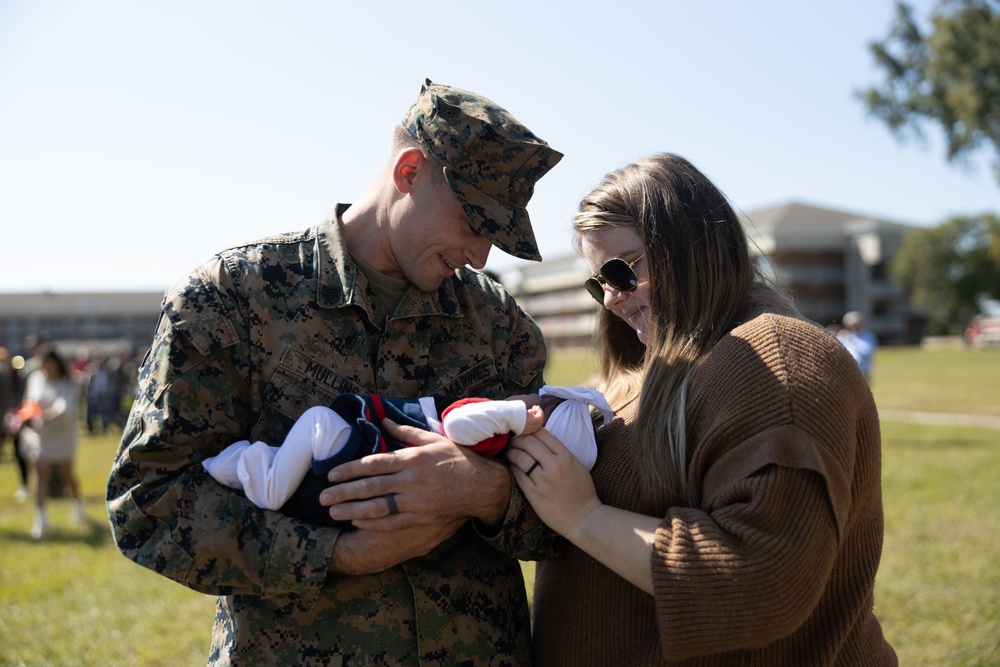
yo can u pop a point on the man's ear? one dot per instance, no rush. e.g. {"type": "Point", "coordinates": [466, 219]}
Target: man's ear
{"type": "Point", "coordinates": [409, 164]}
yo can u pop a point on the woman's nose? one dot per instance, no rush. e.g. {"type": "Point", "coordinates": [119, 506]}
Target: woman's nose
{"type": "Point", "coordinates": [612, 297]}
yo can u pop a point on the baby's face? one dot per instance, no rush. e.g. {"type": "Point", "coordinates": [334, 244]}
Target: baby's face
{"type": "Point", "coordinates": [547, 403]}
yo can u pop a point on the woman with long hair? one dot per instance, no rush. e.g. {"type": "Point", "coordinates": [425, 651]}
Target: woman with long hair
{"type": "Point", "coordinates": [734, 514]}
{"type": "Point", "coordinates": [50, 434]}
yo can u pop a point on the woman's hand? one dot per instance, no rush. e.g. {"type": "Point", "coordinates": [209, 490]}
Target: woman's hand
{"type": "Point", "coordinates": [562, 493]}
{"type": "Point", "coordinates": [558, 487]}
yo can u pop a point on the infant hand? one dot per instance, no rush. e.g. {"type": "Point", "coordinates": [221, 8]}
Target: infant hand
{"type": "Point", "coordinates": [534, 421]}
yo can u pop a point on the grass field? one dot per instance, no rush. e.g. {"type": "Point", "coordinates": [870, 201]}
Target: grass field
{"type": "Point", "coordinates": [72, 599]}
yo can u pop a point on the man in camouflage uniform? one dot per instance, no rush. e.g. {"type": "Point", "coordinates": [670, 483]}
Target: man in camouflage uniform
{"type": "Point", "coordinates": [376, 298]}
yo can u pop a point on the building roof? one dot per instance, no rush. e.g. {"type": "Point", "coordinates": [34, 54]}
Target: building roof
{"type": "Point", "coordinates": [80, 303]}
{"type": "Point", "coordinates": [799, 227]}
{"type": "Point", "coordinates": [803, 216]}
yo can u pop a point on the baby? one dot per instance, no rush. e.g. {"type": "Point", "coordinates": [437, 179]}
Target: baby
{"type": "Point", "coordinates": [290, 477]}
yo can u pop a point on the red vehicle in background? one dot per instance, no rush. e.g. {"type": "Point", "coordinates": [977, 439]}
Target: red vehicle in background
{"type": "Point", "coordinates": [984, 329]}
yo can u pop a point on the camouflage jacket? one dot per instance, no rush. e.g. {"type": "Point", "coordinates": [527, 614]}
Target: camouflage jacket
{"type": "Point", "coordinates": [244, 345]}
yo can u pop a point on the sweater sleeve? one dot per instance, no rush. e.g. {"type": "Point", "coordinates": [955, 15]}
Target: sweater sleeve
{"type": "Point", "coordinates": [755, 564]}
{"type": "Point", "coordinates": [773, 427]}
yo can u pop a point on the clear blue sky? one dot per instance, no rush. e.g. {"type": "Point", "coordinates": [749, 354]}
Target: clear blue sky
{"type": "Point", "coordinates": [138, 138]}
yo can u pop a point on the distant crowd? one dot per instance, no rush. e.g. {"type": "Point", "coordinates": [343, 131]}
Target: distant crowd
{"type": "Point", "coordinates": [44, 396]}
{"type": "Point", "coordinates": [106, 381]}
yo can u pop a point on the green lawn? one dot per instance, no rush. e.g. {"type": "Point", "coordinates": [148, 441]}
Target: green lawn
{"type": "Point", "coordinates": [74, 600]}
{"type": "Point", "coordinates": [938, 590]}
{"type": "Point", "coordinates": [959, 381]}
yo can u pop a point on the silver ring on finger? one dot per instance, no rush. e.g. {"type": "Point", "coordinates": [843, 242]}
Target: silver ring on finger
{"type": "Point", "coordinates": [390, 499]}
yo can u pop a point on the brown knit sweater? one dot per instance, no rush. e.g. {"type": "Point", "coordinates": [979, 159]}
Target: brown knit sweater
{"type": "Point", "coordinates": [775, 564]}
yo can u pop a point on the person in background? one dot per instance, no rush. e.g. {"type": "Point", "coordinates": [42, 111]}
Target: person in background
{"type": "Point", "coordinates": [10, 398]}
{"type": "Point", "coordinates": [859, 341]}
{"type": "Point", "coordinates": [375, 299]}
{"type": "Point", "coordinates": [36, 344]}
{"type": "Point", "coordinates": [48, 429]}
{"type": "Point", "coordinates": [78, 367]}
{"type": "Point", "coordinates": [28, 377]}
{"type": "Point", "coordinates": [734, 515]}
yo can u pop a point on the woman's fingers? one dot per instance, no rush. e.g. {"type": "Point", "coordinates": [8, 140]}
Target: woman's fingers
{"type": "Point", "coordinates": [520, 460]}
{"type": "Point", "coordinates": [527, 453]}
{"type": "Point", "coordinates": [539, 444]}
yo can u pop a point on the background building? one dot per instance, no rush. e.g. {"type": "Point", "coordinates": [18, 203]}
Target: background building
{"type": "Point", "coordinates": [100, 323]}
{"type": "Point", "coordinates": [834, 262]}
{"type": "Point", "coordinates": [552, 293]}
{"type": "Point", "coordinates": [831, 261]}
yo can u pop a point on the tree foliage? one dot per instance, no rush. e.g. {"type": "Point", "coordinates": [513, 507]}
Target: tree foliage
{"type": "Point", "coordinates": [949, 267]}
{"type": "Point", "coordinates": [948, 76]}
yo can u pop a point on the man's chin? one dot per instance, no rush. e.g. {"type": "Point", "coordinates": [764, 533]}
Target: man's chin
{"type": "Point", "coordinates": [430, 283]}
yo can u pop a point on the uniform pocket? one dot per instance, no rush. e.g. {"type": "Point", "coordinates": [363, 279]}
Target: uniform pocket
{"type": "Point", "coordinates": [481, 381]}
{"type": "Point", "coordinates": [299, 383]}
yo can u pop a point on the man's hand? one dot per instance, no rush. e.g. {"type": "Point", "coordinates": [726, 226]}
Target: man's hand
{"type": "Point", "coordinates": [433, 482]}
{"type": "Point", "coordinates": [369, 551]}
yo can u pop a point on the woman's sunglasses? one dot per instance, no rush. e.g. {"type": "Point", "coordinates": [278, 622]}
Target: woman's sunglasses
{"type": "Point", "coordinates": [615, 273]}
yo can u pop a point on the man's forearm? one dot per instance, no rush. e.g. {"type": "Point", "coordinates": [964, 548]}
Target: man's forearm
{"type": "Point", "coordinates": [347, 558]}
{"type": "Point", "coordinates": [493, 484]}
{"type": "Point", "coordinates": [368, 551]}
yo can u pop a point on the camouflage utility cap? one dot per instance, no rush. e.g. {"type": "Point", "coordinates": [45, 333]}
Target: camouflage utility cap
{"type": "Point", "coordinates": [490, 160]}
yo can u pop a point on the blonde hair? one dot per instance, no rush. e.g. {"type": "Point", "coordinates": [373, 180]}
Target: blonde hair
{"type": "Point", "coordinates": [702, 283]}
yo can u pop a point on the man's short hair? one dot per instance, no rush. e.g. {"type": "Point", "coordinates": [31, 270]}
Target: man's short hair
{"type": "Point", "coordinates": [401, 140]}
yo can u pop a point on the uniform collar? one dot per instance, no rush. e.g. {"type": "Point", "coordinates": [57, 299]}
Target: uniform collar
{"type": "Point", "coordinates": [340, 283]}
